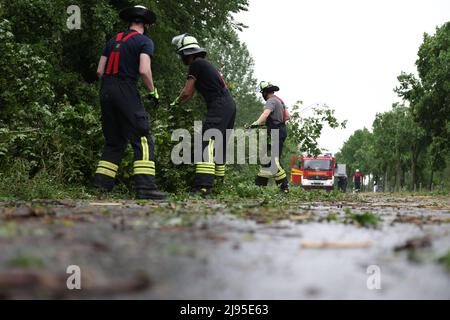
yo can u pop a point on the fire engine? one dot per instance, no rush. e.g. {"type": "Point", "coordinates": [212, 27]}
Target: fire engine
{"type": "Point", "coordinates": [313, 172]}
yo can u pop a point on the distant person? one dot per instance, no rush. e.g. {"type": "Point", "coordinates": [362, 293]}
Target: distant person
{"type": "Point", "coordinates": [342, 183]}
{"type": "Point", "coordinates": [357, 180]}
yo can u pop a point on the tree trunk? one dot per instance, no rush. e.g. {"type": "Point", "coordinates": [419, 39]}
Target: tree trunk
{"type": "Point", "coordinates": [415, 151]}
{"type": "Point", "coordinates": [385, 184]}
{"type": "Point", "coordinates": [431, 180]}
{"type": "Point", "coordinates": [403, 179]}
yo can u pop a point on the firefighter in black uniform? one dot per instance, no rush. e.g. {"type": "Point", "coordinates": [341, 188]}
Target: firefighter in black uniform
{"type": "Point", "coordinates": [124, 118]}
{"type": "Point", "coordinates": [221, 114]}
{"type": "Point", "coordinates": [275, 116]}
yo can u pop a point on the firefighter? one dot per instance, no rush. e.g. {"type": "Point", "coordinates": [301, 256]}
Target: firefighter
{"type": "Point", "coordinates": [342, 183]}
{"type": "Point", "coordinates": [275, 116]}
{"type": "Point", "coordinates": [221, 110]}
{"type": "Point", "coordinates": [357, 180]}
{"type": "Point", "coordinates": [124, 118]}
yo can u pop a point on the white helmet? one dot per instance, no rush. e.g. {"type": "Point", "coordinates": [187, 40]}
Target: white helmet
{"type": "Point", "coordinates": [187, 45]}
{"type": "Point", "coordinates": [265, 86]}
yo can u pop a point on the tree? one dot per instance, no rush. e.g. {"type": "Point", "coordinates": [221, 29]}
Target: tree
{"type": "Point", "coordinates": [358, 152]}
{"type": "Point", "coordinates": [432, 109]}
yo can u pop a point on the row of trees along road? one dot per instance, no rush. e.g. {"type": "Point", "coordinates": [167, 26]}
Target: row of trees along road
{"type": "Point", "coordinates": [409, 146]}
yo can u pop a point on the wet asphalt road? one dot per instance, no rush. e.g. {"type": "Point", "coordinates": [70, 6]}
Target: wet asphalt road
{"type": "Point", "coordinates": [212, 250]}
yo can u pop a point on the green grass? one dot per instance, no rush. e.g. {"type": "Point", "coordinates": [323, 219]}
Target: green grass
{"type": "Point", "coordinates": [18, 186]}
{"type": "Point", "coordinates": [445, 261]}
{"type": "Point", "coordinates": [25, 262]}
{"type": "Point", "coordinates": [366, 219]}
{"type": "Point", "coordinates": [332, 217]}
{"type": "Point", "coordinates": [8, 229]}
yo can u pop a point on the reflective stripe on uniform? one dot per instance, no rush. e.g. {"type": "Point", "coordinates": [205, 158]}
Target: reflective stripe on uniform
{"type": "Point", "coordinates": [144, 167]}
{"type": "Point", "coordinates": [144, 164]}
{"type": "Point", "coordinates": [205, 168]}
{"type": "Point", "coordinates": [106, 172]}
{"type": "Point", "coordinates": [220, 170]}
{"type": "Point", "coordinates": [264, 173]}
{"type": "Point", "coordinates": [145, 152]}
{"type": "Point", "coordinates": [211, 150]}
{"type": "Point", "coordinates": [280, 175]}
{"type": "Point", "coordinates": [108, 165]}
{"type": "Point", "coordinates": [150, 172]}
{"type": "Point", "coordinates": [277, 162]}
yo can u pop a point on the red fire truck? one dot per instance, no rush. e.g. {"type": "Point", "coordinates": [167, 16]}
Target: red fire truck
{"type": "Point", "coordinates": [313, 172]}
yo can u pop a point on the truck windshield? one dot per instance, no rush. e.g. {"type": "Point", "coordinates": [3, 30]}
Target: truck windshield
{"type": "Point", "coordinates": [317, 164]}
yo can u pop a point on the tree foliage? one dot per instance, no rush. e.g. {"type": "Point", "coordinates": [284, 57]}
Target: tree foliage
{"type": "Point", "coordinates": [49, 105]}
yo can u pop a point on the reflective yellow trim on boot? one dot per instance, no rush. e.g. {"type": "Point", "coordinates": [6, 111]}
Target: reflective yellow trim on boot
{"type": "Point", "coordinates": [106, 172]}
{"type": "Point", "coordinates": [205, 168]}
{"type": "Point", "coordinates": [108, 165]}
{"type": "Point", "coordinates": [220, 170]}
{"type": "Point", "coordinates": [144, 164]}
{"type": "Point", "coordinates": [150, 172]}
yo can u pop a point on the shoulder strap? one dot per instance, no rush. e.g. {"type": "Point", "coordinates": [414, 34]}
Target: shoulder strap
{"type": "Point", "coordinates": [279, 99]}
{"type": "Point", "coordinates": [284, 108]}
{"type": "Point", "coordinates": [119, 37]}
{"type": "Point", "coordinates": [113, 59]}
{"type": "Point", "coordinates": [132, 34]}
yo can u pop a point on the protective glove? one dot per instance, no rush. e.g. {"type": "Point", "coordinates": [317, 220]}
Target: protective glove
{"type": "Point", "coordinates": [175, 102]}
{"type": "Point", "coordinates": [154, 96]}
{"type": "Point", "coordinates": [252, 126]}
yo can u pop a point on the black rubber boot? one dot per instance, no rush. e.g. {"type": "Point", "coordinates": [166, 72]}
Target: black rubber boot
{"type": "Point", "coordinates": [218, 184]}
{"type": "Point", "coordinates": [283, 185]}
{"type": "Point", "coordinates": [103, 183]}
{"type": "Point", "coordinates": [261, 181]}
{"type": "Point", "coordinates": [284, 190]}
{"type": "Point", "coordinates": [202, 192]}
{"type": "Point", "coordinates": [150, 195]}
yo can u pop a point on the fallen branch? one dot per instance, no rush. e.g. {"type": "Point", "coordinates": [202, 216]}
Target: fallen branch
{"type": "Point", "coordinates": [335, 244]}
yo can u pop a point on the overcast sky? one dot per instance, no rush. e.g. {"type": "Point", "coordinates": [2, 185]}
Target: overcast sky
{"type": "Point", "coordinates": [346, 53]}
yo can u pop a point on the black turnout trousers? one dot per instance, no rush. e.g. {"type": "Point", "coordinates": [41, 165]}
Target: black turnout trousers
{"type": "Point", "coordinates": [221, 115]}
{"type": "Point", "coordinates": [124, 120]}
{"type": "Point", "coordinates": [280, 175]}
